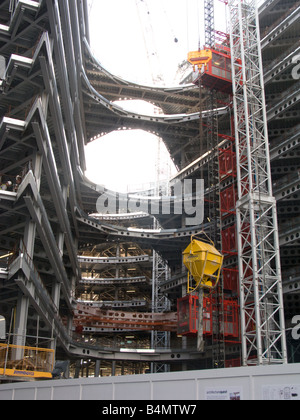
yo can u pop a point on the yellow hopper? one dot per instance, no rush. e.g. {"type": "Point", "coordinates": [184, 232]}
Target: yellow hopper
{"type": "Point", "coordinates": [204, 263]}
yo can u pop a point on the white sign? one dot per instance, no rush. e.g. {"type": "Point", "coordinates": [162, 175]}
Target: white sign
{"type": "Point", "coordinates": [224, 393]}
{"type": "Point", "coordinates": [281, 392]}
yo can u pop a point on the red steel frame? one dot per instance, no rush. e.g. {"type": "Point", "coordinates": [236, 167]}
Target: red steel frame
{"type": "Point", "coordinates": [188, 317]}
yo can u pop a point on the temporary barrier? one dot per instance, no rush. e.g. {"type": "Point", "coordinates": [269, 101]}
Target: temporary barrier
{"type": "Point", "coordinates": [270, 382]}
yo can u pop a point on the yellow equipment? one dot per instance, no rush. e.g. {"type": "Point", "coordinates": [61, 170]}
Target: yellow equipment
{"type": "Point", "coordinates": [26, 362]}
{"type": "Point", "coordinates": [200, 58]}
{"type": "Point", "coordinates": [204, 264]}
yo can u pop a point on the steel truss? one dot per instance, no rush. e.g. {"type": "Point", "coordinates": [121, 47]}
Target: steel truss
{"type": "Point", "coordinates": [262, 315]}
{"type": "Point", "coordinates": [214, 205]}
{"type": "Point", "coordinates": [209, 19]}
{"type": "Point", "coordinates": [160, 302]}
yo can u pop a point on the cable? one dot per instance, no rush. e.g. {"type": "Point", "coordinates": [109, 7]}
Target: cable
{"type": "Point", "coordinates": [198, 21]}
{"type": "Point", "coordinates": [187, 25]}
{"type": "Point", "coordinates": [91, 4]}
{"type": "Point", "coordinates": [176, 40]}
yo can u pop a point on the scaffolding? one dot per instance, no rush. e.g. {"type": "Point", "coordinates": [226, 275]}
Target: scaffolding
{"type": "Point", "coordinates": [160, 304]}
{"type": "Point", "coordinates": [214, 213]}
{"type": "Point", "coordinates": [262, 315]}
{"type": "Point", "coordinates": [26, 362]}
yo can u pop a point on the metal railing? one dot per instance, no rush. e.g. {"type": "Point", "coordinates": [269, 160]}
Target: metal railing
{"type": "Point", "coordinates": [21, 360]}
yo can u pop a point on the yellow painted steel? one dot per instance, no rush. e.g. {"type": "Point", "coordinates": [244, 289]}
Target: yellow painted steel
{"type": "Point", "coordinates": [204, 263]}
{"type": "Point", "coordinates": [26, 362]}
{"type": "Point", "coordinates": [200, 58]}
{"type": "Point", "coordinates": [25, 374]}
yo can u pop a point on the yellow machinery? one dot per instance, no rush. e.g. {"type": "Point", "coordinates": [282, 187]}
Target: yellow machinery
{"type": "Point", "coordinates": [26, 362]}
{"type": "Point", "coordinates": [204, 264]}
{"type": "Point", "coordinates": [200, 58]}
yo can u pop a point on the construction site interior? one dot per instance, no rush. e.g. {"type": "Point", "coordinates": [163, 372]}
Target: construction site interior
{"type": "Point", "coordinates": [90, 293]}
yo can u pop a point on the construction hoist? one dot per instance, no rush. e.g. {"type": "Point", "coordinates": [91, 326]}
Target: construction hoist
{"type": "Point", "coordinates": [204, 264]}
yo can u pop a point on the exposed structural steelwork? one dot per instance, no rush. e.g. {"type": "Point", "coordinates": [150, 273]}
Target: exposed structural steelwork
{"type": "Point", "coordinates": [262, 316]}
{"type": "Point", "coordinates": [94, 287]}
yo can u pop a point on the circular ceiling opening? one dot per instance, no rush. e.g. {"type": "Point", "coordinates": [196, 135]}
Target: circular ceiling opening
{"type": "Point", "coordinates": [128, 160]}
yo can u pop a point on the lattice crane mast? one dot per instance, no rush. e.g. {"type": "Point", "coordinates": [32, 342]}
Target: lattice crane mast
{"type": "Point", "coordinates": [261, 297]}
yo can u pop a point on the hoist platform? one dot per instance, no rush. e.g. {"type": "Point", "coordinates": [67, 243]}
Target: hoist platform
{"type": "Point", "coordinates": [213, 67]}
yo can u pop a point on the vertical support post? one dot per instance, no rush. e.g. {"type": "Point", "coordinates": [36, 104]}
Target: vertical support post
{"type": "Point", "coordinates": [97, 368]}
{"type": "Point", "coordinates": [20, 328]}
{"type": "Point", "coordinates": [200, 340]}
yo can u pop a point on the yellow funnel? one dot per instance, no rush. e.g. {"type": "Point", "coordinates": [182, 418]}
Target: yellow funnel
{"type": "Point", "coordinates": [204, 263]}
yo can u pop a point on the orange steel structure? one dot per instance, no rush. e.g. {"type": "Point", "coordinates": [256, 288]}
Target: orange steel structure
{"type": "Point", "coordinates": [214, 66]}
{"type": "Point", "coordinates": [91, 317]}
